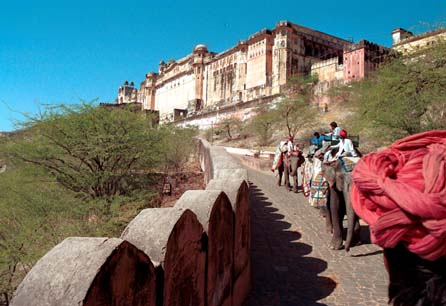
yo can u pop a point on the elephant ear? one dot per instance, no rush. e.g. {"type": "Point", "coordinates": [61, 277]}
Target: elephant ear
{"type": "Point", "coordinates": [328, 172]}
{"type": "Point", "coordinates": [339, 175]}
{"type": "Point", "coordinates": [340, 180]}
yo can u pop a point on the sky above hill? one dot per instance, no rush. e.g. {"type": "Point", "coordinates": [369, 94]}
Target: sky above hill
{"type": "Point", "coordinates": [55, 52]}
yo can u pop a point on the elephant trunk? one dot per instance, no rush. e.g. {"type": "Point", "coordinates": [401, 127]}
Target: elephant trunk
{"type": "Point", "coordinates": [352, 219]}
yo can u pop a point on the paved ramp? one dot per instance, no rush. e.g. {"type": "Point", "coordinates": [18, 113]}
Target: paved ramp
{"type": "Point", "coordinates": [291, 258]}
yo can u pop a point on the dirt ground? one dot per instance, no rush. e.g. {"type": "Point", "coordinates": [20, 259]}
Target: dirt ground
{"type": "Point", "coordinates": [192, 178]}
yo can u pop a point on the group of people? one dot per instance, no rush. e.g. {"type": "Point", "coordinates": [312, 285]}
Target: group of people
{"type": "Point", "coordinates": [324, 144]}
{"type": "Point", "coordinates": [400, 192]}
{"type": "Point", "coordinates": [329, 146]}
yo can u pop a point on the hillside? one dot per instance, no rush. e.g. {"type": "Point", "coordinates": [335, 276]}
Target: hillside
{"type": "Point", "coordinates": [38, 208]}
{"type": "Point", "coordinates": [338, 112]}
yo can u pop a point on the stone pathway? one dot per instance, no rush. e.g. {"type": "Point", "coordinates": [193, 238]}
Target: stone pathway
{"type": "Point", "coordinates": [292, 262]}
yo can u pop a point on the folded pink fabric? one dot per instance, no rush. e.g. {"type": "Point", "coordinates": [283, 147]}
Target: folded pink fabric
{"type": "Point", "coordinates": [401, 193]}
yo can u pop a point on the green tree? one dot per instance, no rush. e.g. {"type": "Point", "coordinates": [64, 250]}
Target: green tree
{"type": "Point", "coordinates": [35, 214]}
{"type": "Point", "coordinates": [178, 146]}
{"type": "Point", "coordinates": [295, 111]}
{"type": "Point", "coordinates": [261, 125]}
{"type": "Point", "coordinates": [405, 95]}
{"type": "Point", "coordinates": [90, 149]}
{"type": "Point", "coordinates": [230, 125]}
{"type": "Point", "coordinates": [50, 166]}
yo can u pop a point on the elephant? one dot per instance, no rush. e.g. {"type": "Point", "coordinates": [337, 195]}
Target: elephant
{"type": "Point", "coordinates": [291, 163]}
{"type": "Point", "coordinates": [339, 204]}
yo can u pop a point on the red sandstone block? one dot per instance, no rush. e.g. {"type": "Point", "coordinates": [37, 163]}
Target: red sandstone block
{"type": "Point", "coordinates": [90, 271]}
{"type": "Point", "coordinates": [238, 192]}
{"type": "Point", "coordinates": [214, 211]}
{"type": "Point", "coordinates": [175, 239]}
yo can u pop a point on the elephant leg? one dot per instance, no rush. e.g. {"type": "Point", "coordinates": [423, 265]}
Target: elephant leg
{"type": "Point", "coordinates": [353, 228]}
{"type": "Point", "coordinates": [295, 184]}
{"type": "Point", "coordinates": [287, 176]}
{"type": "Point", "coordinates": [280, 170]}
{"type": "Point", "coordinates": [325, 212]}
{"type": "Point", "coordinates": [337, 216]}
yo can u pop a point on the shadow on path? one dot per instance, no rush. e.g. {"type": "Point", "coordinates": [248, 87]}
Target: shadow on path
{"type": "Point", "coordinates": [282, 275]}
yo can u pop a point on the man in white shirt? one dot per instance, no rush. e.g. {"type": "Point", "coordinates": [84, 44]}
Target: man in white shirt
{"type": "Point", "coordinates": [345, 146]}
{"type": "Point", "coordinates": [334, 131]}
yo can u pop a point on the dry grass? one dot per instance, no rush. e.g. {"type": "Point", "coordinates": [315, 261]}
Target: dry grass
{"type": "Point", "coordinates": [336, 112]}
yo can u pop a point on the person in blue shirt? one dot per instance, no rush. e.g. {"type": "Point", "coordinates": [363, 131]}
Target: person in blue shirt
{"type": "Point", "coordinates": [317, 140]}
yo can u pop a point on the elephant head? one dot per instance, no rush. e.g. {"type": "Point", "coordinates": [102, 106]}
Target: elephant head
{"type": "Point", "coordinates": [292, 163]}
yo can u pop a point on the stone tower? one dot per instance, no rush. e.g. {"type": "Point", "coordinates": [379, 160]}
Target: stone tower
{"type": "Point", "coordinates": [199, 54]}
{"type": "Point", "coordinates": [147, 91]}
{"type": "Point", "coordinates": [281, 56]}
{"type": "Point", "coordinates": [127, 93]}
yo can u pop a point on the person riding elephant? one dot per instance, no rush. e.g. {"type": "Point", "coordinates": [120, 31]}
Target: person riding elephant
{"type": "Point", "coordinates": [334, 131]}
{"type": "Point", "coordinates": [345, 146]}
{"type": "Point", "coordinates": [278, 162]}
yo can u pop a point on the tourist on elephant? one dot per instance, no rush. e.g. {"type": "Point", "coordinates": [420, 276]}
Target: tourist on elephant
{"type": "Point", "coordinates": [283, 147]}
{"type": "Point", "coordinates": [290, 144]}
{"type": "Point", "coordinates": [401, 193]}
{"type": "Point", "coordinates": [317, 140]}
{"type": "Point", "coordinates": [345, 146]}
{"type": "Point", "coordinates": [334, 132]}
{"type": "Point", "coordinates": [293, 148]}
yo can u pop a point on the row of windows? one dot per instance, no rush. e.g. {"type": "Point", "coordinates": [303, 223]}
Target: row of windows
{"type": "Point", "coordinates": [262, 42]}
{"type": "Point", "coordinates": [223, 61]}
{"type": "Point", "coordinates": [255, 54]}
{"type": "Point", "coordinates": [224, 69]}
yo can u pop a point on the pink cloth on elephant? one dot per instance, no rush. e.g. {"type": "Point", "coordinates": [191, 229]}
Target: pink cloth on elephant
{"type": "Point", "coordinates": [401, 193]}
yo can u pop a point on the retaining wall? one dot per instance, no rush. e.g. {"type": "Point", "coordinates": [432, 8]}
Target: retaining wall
{"type": "Point", "coordinates": [195, 253]}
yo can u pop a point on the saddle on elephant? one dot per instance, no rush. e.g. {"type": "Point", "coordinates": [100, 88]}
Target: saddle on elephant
{"type": "Point", "coordinates": [315, 185]}
{"type": "Point", "coordinates": [348, 163]}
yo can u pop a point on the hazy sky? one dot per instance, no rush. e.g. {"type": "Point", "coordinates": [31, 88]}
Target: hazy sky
{"type": "Point", "coordinates": [54, 52]}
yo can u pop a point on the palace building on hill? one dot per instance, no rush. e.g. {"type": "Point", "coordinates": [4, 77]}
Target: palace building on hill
{"type": "Point", "coordinates": [254, 68]}
{"type": "Point", "coordinates": [257, 69]}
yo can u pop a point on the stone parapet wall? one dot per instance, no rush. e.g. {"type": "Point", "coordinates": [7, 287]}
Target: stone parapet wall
{"type": "Point", "coordinates": [195, 253]}
{"type": "Point", "coordinates": [241, 111]}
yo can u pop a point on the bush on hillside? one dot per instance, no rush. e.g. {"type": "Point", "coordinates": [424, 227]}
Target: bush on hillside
{"type": "Point", "coordinates": [79, 171]}
{"type": "Point", "coordinates": [294, 112]}
{"type": "Point", "coordinates": [404, 96]}
{"type": "Point", "coordinates": [261, 126]}
{"type": "Point", "coordinates": [89, 149]}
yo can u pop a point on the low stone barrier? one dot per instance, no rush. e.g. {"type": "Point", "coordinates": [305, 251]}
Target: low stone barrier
{"type": "Point", "coordinates": [214, 211]}
{"type": "Point", "coordinates": [90, 271]}
{"type": "Point", "coordinates": [173, 239]}
{"type": "Point", "coordinates": [195, 253]}
{"type": "Point", "coordinates": [238, 193]}
{"type": "Point", "coordinates": [256, 163]}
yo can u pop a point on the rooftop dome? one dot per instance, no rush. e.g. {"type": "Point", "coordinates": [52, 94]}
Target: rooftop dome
{"type": "Point", "coordinates": [200, 47]}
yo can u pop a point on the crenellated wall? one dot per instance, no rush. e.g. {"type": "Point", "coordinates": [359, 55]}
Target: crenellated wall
{"type": "Point", "coordinates": [195, 253]}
